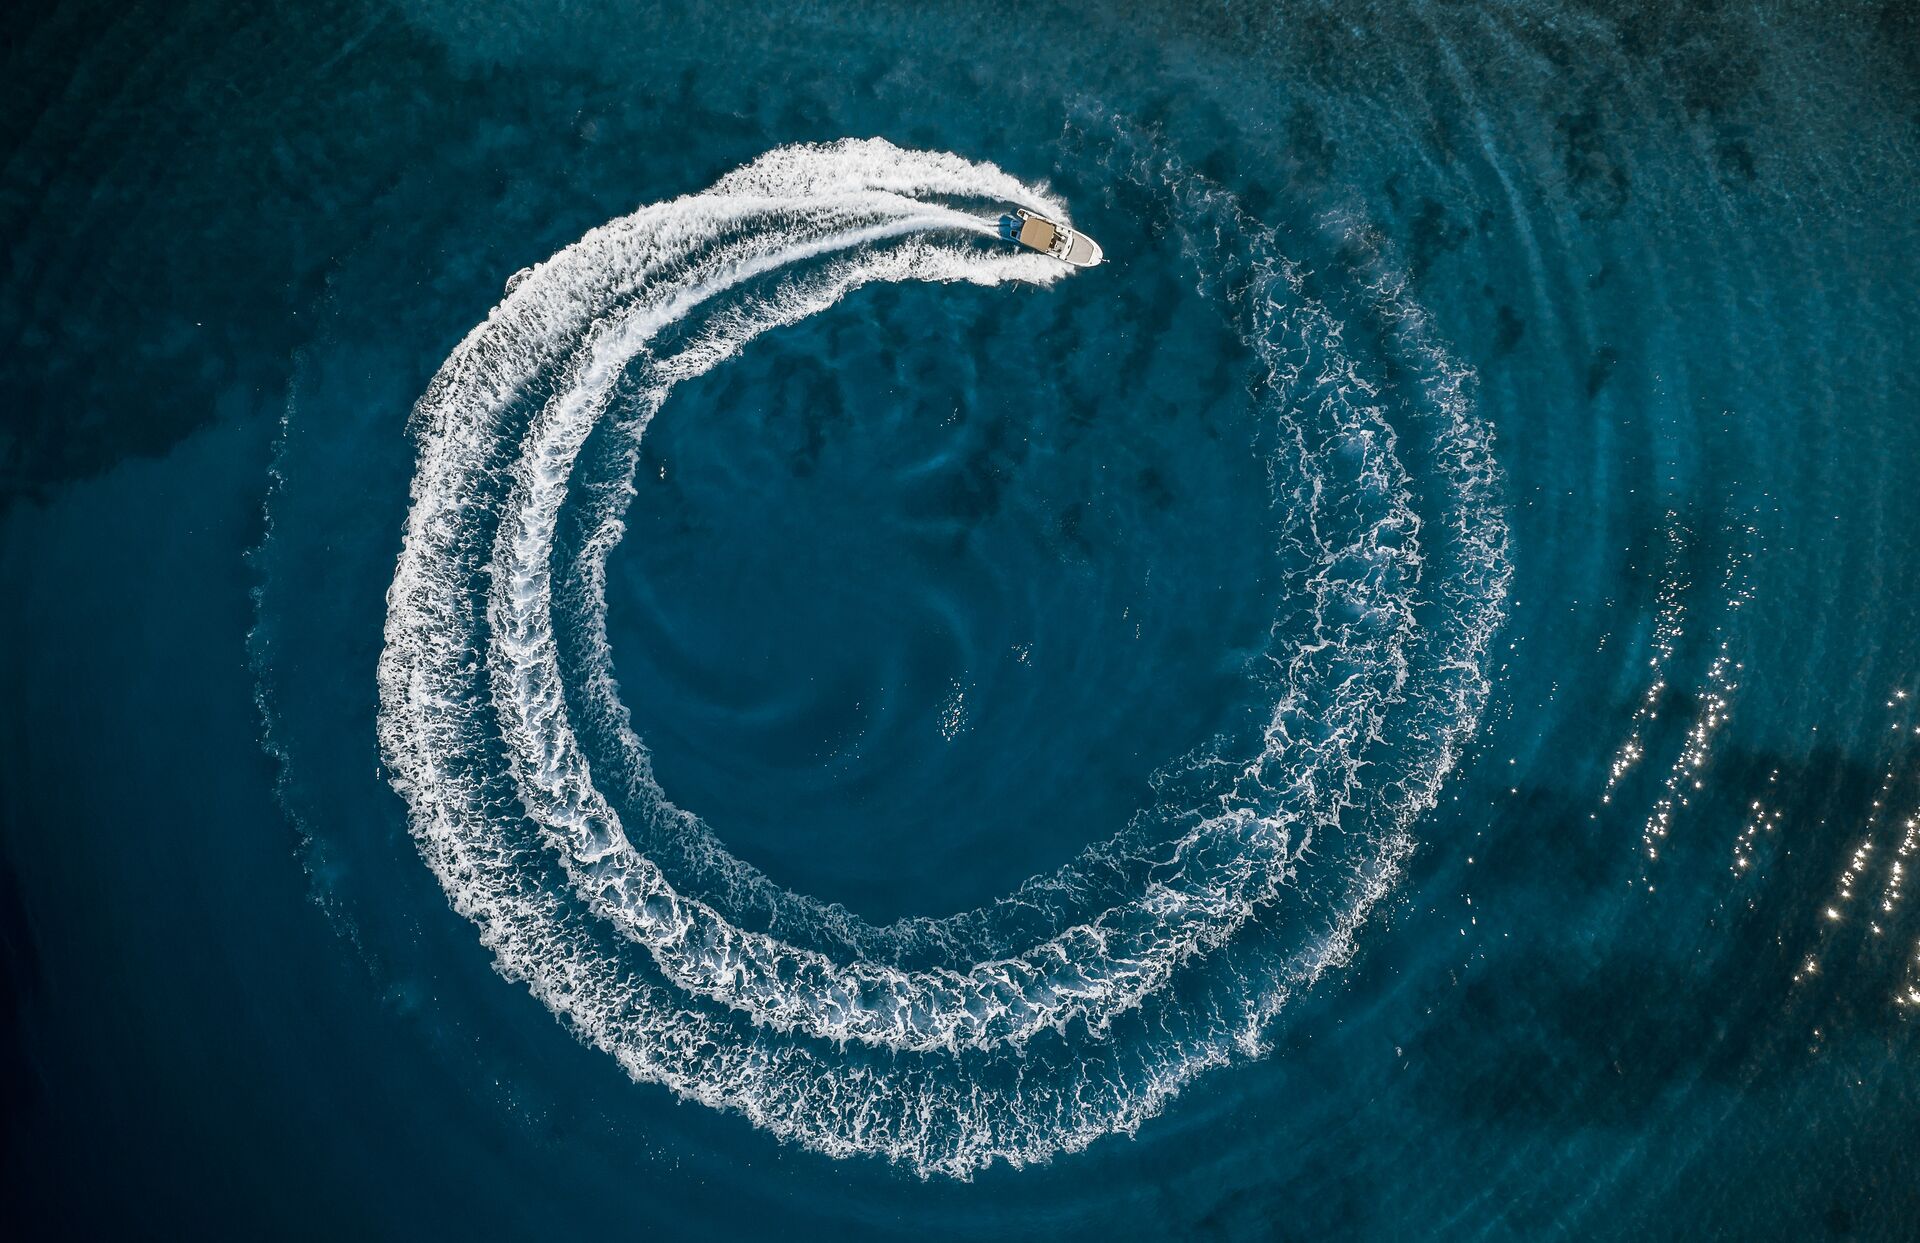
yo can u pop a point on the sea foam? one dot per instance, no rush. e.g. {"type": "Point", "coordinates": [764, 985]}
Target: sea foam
{"type": "Point", "coordinates": [1078, 1004]}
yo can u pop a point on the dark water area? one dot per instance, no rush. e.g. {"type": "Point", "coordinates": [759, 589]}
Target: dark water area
{"type": "Point", "coordinates": [926, 594]}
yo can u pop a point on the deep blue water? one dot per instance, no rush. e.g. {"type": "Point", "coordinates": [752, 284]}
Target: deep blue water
{"type": "Point", "coordinates": [1469, 518]}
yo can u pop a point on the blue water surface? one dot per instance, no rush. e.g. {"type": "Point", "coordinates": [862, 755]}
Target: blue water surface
{"type": "Point", "coordinates": [924, 595]}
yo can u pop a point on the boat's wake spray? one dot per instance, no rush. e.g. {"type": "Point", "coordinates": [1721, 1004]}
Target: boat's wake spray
{"type": "Point", "coordinates": [1079, 1005]}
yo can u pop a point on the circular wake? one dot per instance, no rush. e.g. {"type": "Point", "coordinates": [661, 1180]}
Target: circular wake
{"type": "Point", "coordinates": [1078, 1004]}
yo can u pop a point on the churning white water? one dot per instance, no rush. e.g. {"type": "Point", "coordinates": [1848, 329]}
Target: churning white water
{"type": "Point", "coordinates": [1161, 951]}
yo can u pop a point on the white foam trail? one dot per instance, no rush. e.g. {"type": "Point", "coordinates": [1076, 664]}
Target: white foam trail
{"type": "Point", "coordinates": [1040, 1043]}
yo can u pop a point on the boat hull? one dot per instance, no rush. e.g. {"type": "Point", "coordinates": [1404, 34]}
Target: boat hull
{"type": "Point", "coordinates": [1082, 251]}
{"type": "Point", "coordinates": [1052, 239]}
